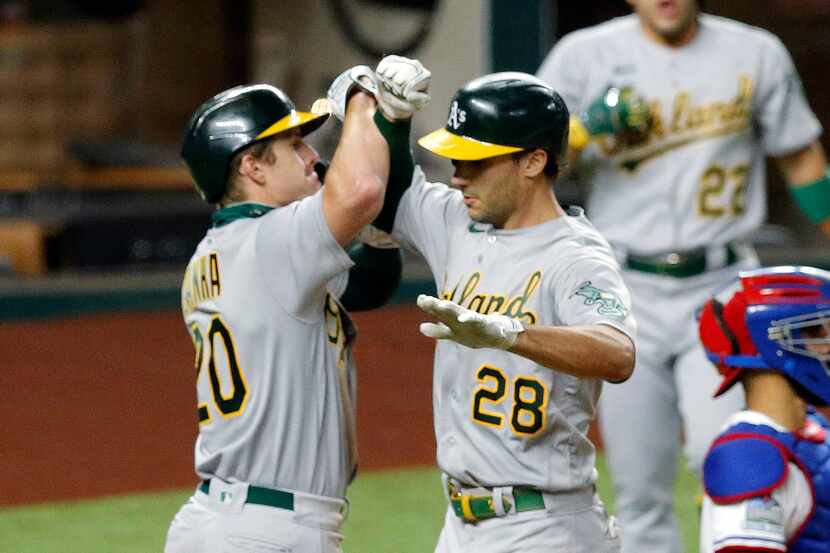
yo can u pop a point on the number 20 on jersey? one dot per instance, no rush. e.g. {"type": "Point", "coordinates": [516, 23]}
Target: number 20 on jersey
{"type": "Point", "coordinates": [231, 401]}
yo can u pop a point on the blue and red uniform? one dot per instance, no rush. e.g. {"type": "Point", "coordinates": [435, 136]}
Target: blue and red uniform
{"type": "Point", "coordinates": [768, 489]}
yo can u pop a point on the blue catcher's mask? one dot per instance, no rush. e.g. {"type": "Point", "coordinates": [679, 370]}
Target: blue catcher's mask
{"type": "Point", "coordinates": [776, 319]}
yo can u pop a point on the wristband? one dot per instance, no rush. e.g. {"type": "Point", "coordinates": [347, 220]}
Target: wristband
{"type": "Point", "coordinates": [814, 198]}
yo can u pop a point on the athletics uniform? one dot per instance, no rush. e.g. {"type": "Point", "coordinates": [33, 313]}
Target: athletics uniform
{"type": "Point", "coordinates": [275, 383]}
{"type": "Point", "coordinates": [508, 429]}
{"type": "Point", "coordinates": [678, 209]}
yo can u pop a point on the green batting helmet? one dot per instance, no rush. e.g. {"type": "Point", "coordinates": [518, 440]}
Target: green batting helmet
{"type": "Point", "coordinates": [499, 114]}
{"type": "Point", "coordinates": [231, 121]}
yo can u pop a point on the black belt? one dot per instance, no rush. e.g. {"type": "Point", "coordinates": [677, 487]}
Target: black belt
{"type": "Point", "coordinates": [262, 496]}
{"type": "Point", "coordinates": [678, 264]}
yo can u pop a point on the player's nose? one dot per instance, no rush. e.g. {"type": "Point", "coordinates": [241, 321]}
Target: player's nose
{"type": "Point", "coordinates": [459, 182]}
{"type": "Point", "coordinates": [459, 178]}
{"type": "Point", "coordinates": [310, 155]}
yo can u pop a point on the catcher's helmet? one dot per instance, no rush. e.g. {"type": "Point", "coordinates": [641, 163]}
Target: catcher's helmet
{"type": "Point", "coordinates": [499, 114]}
{"type": "Point", "coordinates": [232, 120]}
{"type": "Point", "coordinates": [772, 319]}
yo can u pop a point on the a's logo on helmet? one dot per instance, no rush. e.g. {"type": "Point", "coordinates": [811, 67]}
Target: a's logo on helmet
{"type": "Point", "coordinates": [457, 116]}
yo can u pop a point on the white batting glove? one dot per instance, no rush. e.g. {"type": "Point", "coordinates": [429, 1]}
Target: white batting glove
{"type": "Point", "coordinates": [403, 86]}
{"type": "Point", "coordinates": [467, 327]}
{"type": "Point", "coordinates": [360, 76]}
{"type": "Point", "coordinates": [373, 236]}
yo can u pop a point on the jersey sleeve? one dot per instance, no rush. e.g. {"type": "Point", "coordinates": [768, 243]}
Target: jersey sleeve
{"type": "Point", "coordinates": [426, 212]}
{"type": "Point", "coordinates": [763, 523]}
{"type": "Point", "coordinates": [785, 119]}
{"type": "Point", "coordinates": [338, 284]}
{"type": "Point", "coordinates": [298, 256]}
{"type": "Point", "coordinates": [591, 291]}
{"type": "Point", "coordinates": [565, 70]}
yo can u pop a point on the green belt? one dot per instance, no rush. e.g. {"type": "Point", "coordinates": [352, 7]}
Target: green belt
{"type": "Point", "coordinates": [677, 264]}
{"type": "Point", "coordinates": [472, 507]}
{"type": "Point", "coordinates": [262, 496]}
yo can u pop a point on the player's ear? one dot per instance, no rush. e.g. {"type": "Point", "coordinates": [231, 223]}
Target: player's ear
{"type": "Point", "coordinates": [251, 167]}
{"type": "Point", "coordinates": [532, 163]}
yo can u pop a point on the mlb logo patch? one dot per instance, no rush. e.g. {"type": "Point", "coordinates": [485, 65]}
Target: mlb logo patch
{"type": "Point", "coordinates": [764, 513]}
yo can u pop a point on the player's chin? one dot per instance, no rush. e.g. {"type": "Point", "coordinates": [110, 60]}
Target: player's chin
{"type": "Point", "coordinates": [313, 183]}
{"type": "Point", "coordinates": [477, 215]}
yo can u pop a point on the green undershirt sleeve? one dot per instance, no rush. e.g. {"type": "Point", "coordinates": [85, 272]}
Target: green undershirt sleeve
{"type": "Point", "coordinates": [401, 167]}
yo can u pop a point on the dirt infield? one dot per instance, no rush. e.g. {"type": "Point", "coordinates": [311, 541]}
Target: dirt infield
{"type": "Point", "coordinates": [103, 404]}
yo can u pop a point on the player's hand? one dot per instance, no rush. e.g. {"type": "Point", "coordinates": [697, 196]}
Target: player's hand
{"type": "Point", "coordinates": [359, 77]}
{"type": "Point", "coordinates": [403, 86]}
{"type": "Point", "coordinates": [467, 327]}
{"type": "Point", "coordinates": [373, 236]}
{"type": "Point", "coordinates": [620, 112]}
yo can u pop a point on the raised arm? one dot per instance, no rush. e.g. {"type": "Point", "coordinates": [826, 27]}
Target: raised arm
{"type": "Point", "coordinates": [374, 145]}
{"type": "Point", "coordinates": [356, 179]}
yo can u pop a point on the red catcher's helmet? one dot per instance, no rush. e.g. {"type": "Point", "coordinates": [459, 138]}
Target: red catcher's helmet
{"type": "Point", "coordinates": [775, 319]}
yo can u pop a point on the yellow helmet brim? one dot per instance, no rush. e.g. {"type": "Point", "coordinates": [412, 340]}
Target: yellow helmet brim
{"type": "Point", "coordinates": [454, 146]}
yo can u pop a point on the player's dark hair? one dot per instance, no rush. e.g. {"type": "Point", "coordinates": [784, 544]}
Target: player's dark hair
{"type": "Point", "coordinates": [551, 167]}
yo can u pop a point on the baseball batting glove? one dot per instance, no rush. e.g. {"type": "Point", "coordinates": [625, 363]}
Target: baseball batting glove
{"type": "Point", "coordinates": [619, 112]}
{"type": "Point", "coordinates": [467, 327]}
{"type": "Point", "coordinates": [404, 86]}
{"type": "Point", "coordinates": [358, 77]}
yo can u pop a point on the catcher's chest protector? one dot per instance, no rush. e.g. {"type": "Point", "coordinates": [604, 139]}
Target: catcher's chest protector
{"type": "Point", "coordinates": [813, 455]}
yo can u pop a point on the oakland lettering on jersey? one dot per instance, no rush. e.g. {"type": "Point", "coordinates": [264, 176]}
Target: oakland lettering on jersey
{"type": "Point", "coordinates": [514, 307]}
{"type": "Point", "coordinates": [687, 122]}
{"type": "Point", "coordinates": [201, 282]}
{"type": "Point", "coordinates": [716, 115]}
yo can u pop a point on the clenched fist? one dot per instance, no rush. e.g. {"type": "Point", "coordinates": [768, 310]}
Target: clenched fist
{"type": "Point", "coordinates": [403, 86]}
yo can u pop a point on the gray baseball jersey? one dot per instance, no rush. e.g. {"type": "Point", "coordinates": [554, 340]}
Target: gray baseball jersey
{"type": "Point", "coordinates": [699, 178]}
{"type": "Point", "coordinates": [274, 368]}
{"type": "Point", "coordinates": [501, 419]}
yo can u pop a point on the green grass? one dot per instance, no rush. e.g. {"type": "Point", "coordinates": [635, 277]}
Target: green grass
{"type": "Point", "coordinates": [134, 524]}
{"type": "Point", "coordinates": [686, 493]}
{"type": "Point", "coordinates": [397, 511]}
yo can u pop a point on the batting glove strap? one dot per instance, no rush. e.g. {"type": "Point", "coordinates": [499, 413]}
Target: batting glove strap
{"type": "Point", "coordinates": [467, 327]}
